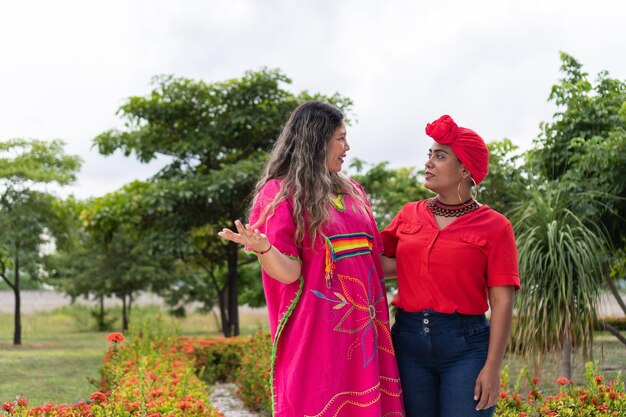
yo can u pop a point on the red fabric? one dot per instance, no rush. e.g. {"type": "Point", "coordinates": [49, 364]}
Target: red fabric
{"type": "Point", "coordinates": [466, 144]}
{"type": "Point", "coordinates": [450, 270]}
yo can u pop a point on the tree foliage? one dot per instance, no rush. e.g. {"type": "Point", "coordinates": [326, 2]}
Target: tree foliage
{"type": "Point", "coordinates": [584, 144]}
{"type": "Point", "coordinates": [389, 189]}
{"type": "Point", "coordinates": [577, 168]}
{"type": "Point", "coordinates": [562, 257]}
{"type": "Point", "coordinates": [27, 216]}
{"type": "Point", "coordinates": [507, 182]}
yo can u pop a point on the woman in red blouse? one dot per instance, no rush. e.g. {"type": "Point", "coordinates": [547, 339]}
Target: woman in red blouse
{"type": "Point", "coordinates": [454, 258]}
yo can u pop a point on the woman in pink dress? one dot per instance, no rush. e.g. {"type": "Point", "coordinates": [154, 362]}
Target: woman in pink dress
{"type": "Point", "coordinates": [313, 232]}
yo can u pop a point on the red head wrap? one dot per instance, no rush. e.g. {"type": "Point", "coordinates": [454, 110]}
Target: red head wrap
{"type": "Point", "coordinates": [465, 143]}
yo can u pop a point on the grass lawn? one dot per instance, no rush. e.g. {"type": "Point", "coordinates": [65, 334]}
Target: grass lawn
{"type": "Point", "coordinates": [54, 362]}
{"type": "Point", "coordinates": [61, 353]}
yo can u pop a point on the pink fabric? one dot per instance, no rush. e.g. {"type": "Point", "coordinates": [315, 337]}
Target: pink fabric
{"type": "Point", "coordinates": [332, 354]}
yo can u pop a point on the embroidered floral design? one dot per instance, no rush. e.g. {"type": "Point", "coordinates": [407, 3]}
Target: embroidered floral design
{"type": "Point", "coordinates": [362, 399]}
{"type": "Point", "coordinates": [363, 305]}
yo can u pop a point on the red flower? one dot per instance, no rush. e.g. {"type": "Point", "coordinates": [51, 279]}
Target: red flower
{"type": "Point", "coordinates": [503, 394]}
{"type": "Point", "coordinates": [115, 337]}
{"type": "Point", "coordinates": [98, 397]}
{"type": "Point", "coordinates": [184, 405]}
{"type": "Point", "coordinates": [22, 402]}
{"type": "Point", "coordinates": [563, 381]}
{"type": "Point", "coordinates": [8, 406]}
{"type": "Point", "coordinates": [598, 379]}
{"type": "Point", "coordinates": [535, 380]}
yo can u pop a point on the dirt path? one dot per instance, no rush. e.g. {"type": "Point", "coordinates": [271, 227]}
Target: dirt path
{"type": "Point", "coordinates": [223, 397]}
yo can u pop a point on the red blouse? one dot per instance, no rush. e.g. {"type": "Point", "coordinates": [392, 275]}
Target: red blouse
{"type": "Point", "coordinates": [450, 270]}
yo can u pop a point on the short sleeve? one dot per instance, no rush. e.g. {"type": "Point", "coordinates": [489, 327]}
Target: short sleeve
{"type": "Point", "coordinates": [279, 226]}
{"type": "Point", "coordinates": [502, 262]}
{"type": "Point", "coordinates": [389, 236]}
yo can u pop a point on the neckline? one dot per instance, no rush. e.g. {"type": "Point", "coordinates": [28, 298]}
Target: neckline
{"type": "Point", "coordinates": [338, 202]}
{"type": "Point", "coordinates": [456, 219]}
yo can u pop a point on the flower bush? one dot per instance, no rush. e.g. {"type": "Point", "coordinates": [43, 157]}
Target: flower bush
{"type": "Point", "coordinates": [596, 398]}
{"type": "Point", "coordinates": [149, 376]}
{"type": "Point", "coordinates": [243, 360]}
{"type": "Point", "coordinates": [216, 359]}
{"type": "Point", "coordinates": [156, 375]}
{"type": "Point", "coordinates": [253, 378]}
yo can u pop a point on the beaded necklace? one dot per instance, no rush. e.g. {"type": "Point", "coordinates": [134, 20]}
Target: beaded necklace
{"type": "Point", "coordinates": [451, 210]}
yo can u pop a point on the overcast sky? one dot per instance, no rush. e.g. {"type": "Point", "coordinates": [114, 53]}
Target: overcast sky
{"type": "Point", "coordinates": [67, 66]}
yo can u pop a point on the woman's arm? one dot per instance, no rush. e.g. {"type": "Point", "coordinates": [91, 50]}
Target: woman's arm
{"type": "Point", "coordinates": [277, 265]}
{"type": "Point", "coordinates": [389, 266]}
{"type": "Point", "coordinates": [487, 387]}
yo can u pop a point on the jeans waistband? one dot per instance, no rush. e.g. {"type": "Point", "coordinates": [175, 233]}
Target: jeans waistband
{"type": "Point", "coordinates": [433, 313]}
{"type": "Point", "coordinates": [435, 320]}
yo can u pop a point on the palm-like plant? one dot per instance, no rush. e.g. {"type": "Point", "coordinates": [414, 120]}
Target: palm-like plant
{"type": "Point", "coordinates": [562, 261]}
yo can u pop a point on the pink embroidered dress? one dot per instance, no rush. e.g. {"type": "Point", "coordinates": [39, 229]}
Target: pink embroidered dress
{"type": "Point", "coordinates": [332, 354]}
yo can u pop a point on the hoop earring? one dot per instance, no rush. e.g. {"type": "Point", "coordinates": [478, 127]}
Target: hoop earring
{"type": "Point", "coordinates": [458, 191]}
{"type": "Point", "coordinates": [474, 192]}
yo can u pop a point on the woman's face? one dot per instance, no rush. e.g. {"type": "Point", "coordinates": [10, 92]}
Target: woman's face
{"type": "Point", "coordinates": [443, 170]}
{"type": "Point", "coordinates": [336, 150]}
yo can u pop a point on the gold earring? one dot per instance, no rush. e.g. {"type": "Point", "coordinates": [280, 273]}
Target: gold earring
{"type": "Point", "coordinates": [474, 191]}
{"type": "Point", "coordinates": [458, 190]}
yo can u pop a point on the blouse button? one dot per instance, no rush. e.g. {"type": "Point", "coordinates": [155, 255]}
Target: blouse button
{"type": "Point", "coordinates": [426, 321]}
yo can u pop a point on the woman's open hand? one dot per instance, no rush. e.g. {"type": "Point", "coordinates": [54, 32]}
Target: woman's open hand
{"type": "Point", "coordinates": [247, 236]}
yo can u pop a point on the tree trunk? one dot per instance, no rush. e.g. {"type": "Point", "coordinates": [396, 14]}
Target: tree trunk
{"type": "Point", "coordinates": [566, 354]}
{"type": "Point", "coordinates": [101, 323]}
{"type": "Point", "coordinates": [607, 327]}
{"type": "Point", "coordinates": [233, 308]}
{"type": "Point", "coordinates": [223, 302]}
{"type": "Point", "coordinates": [124, 314]}
{"type": "Point", "coordinates": [616, 294]}
{"type": "Point", "coordinates": [17, 318]}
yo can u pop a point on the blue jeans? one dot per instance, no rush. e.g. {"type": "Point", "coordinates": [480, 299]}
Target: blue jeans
{"type": "Point", "coordinates": [439, 358]}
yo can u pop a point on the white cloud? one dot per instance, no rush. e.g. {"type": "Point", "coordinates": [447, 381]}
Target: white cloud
{"type": "Point", "coordinates": [68, 65]}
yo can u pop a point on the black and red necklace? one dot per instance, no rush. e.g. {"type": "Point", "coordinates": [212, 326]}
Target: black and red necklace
{"type": "Point", "coordinates": [451, 210]}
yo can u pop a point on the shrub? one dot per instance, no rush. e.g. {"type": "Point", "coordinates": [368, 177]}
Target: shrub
{"type": "Point", "coordinates": [149, 375]}
{"type": "Point", "coordinates": [596, 398]}
{"type": "Point", "coordinates": [217, 360]}
{"type": "Point", "coordinates": [253, 378]}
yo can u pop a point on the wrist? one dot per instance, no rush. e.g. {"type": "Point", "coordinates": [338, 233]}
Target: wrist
{"type": "Point", "coordinates": [263, 252]}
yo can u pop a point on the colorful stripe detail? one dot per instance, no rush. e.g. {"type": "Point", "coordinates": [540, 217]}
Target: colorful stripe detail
{"type": "Point", "coordinates": [353, 244]}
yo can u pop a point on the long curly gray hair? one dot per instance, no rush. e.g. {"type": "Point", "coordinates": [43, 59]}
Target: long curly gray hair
{"type": "Point", "coordinates": [299, 159]}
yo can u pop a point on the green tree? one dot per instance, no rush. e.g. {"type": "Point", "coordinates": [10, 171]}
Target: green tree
{"type": "Point", "coordinates": [561, 256]}
{"type": "Point", "coordinates": [578, 169]}
{"type": "Point", "coordinates": [583, 148]}
{"type": "Point", "coordinates": [507, 182]}
{"type": "Point", "coordinates": [27, 216]}
{"type": "Point", "coordinates": [115, 256]}
{"type": "Point", "coordinates": [388, 189]}
{"type": "Point", "coordinates": [216, 137]}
